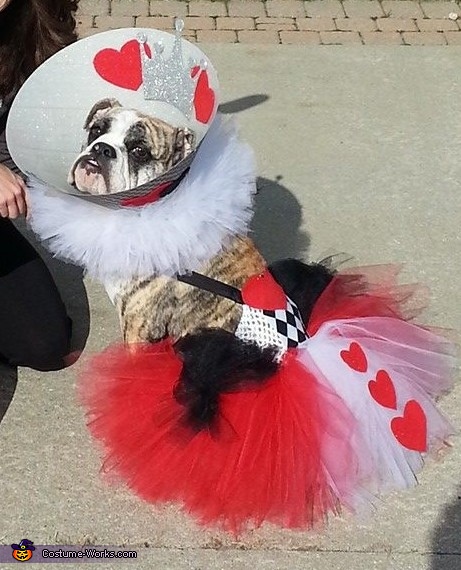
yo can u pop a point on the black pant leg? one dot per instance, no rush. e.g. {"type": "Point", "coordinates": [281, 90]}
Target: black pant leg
{"type": "Point", "coordinates": [35, 330]}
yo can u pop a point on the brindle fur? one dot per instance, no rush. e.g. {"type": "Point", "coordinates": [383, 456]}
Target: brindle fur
{"type": "Point", "coordinates": [151, 309]}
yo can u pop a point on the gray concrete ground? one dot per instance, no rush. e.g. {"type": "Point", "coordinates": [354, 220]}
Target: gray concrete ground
{"type": "Point", "coordinates": [358, 152]}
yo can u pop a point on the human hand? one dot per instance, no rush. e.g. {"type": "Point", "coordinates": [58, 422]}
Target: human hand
{"type": "Point", "coordinates": [13, 194]}
{"type": "Point", "coordinates": [4, 4]}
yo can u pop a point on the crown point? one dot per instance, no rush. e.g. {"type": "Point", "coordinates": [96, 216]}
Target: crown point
{"type": "Point", "coordinates": [203, 64]}
{"type": "Point", "coordinates": [179, 25]}
{"type": "Point", "coordinates": [166, 77]}
{"type": "Point", "coordinates": [142, 38]}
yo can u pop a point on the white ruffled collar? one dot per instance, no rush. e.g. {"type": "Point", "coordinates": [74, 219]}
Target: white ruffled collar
{"type": "Point", "coordinates": [177, 234]}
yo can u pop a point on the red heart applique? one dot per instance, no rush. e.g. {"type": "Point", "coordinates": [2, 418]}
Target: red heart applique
{"type": "Point", "coordinates": [355, 358]}
{"type": "Point", "coordinates": [204, 98]}
{"type": "Point", "coordinates": [411, 429]}
{"type": "Point", "coordinates": [382, 390]}
{"type": "Point", "coordinates": [263, 292]}
{"type": "Point", "coordinates": [121, 68]}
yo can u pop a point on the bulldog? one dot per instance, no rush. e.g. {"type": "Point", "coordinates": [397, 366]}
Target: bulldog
{"type": "Point", "coordinates": [125, 149]}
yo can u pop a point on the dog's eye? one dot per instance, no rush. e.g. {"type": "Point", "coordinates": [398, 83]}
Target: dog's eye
{"type": "Point", "coordinates": [96, 131]}
{"type": "Point", "coordinates": [139, 152]}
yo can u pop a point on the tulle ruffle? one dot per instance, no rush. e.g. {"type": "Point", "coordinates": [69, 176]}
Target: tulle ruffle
{"type": "Point", "coordinates": [349, 415]}
{"type": "Point", "coordinates": [264, 459]}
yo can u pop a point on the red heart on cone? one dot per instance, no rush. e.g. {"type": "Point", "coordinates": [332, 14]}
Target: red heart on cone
{"type": "Point", "coordinates": [204, 98]}
{"type": "Point", "coordinates": [121, 68]}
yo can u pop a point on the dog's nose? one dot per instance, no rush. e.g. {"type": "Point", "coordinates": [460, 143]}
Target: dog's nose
{"type": "Point", "coordinates": [104, 149]}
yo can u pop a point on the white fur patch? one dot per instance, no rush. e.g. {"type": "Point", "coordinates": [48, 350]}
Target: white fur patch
{"type": "Point", "coordinates": [122, 121]}
{"type": "Point", "coordinates": [177, 234]}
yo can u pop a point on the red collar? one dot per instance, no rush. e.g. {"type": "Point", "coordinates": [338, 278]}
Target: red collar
{"type": "Point", "coordinates": [148, 198]}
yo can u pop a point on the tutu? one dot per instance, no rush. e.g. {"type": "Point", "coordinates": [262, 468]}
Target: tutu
{"type": "Point", "coordinates": [349, 414]}
{"type": "Point", "coordinates": [243, 471]}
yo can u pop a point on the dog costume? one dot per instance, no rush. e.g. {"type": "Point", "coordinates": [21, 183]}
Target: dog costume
{"type": "Point", "coordinates": [247, 393]}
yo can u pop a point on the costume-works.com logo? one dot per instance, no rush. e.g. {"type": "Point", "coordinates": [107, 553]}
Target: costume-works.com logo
{"type": "Point", "coordinates": [23, 551]}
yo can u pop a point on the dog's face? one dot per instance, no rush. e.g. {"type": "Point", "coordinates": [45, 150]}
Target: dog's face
{"type": "Point", "coordinates": [125, 149]}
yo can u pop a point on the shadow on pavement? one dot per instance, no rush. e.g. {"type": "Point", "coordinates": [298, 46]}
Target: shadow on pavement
{"type": "Point", "coordinates": [277, 220]}
{"type": "Point", "coordinates": [8, 381]}
{"type": "Point", "coordinates": [276, 225]}
{"type": "Point", "coordinates": [242, 104]}
{"type": "Point", "coordinates": [446, 540]}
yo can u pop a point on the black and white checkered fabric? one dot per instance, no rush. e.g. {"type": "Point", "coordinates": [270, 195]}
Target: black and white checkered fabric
{"type": "Point", "coordinates": [289, 324]}
{"type": "Point", "coordinates": [282, 328]}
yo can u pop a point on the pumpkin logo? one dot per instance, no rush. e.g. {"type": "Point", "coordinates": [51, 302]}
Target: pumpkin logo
{"type": "Point", "coordinates": [23, 551]}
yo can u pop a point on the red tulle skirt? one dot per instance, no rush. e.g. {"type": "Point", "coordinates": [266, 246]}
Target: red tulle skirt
{"type": "Point", "coordinates": [335, 426]}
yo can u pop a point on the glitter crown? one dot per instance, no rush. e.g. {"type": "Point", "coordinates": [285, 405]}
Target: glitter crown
{"type": "Point", "coordinates": [168, 79]}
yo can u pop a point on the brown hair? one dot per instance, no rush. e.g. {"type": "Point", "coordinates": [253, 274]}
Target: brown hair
{"type": "Point", "coordinates": [30, 32]}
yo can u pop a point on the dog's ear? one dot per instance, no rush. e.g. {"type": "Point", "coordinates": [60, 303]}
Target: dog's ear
{"type": "Point", "coordinates": [184, 144]}
{"type": "Point", "coordinates": [99, 109]}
